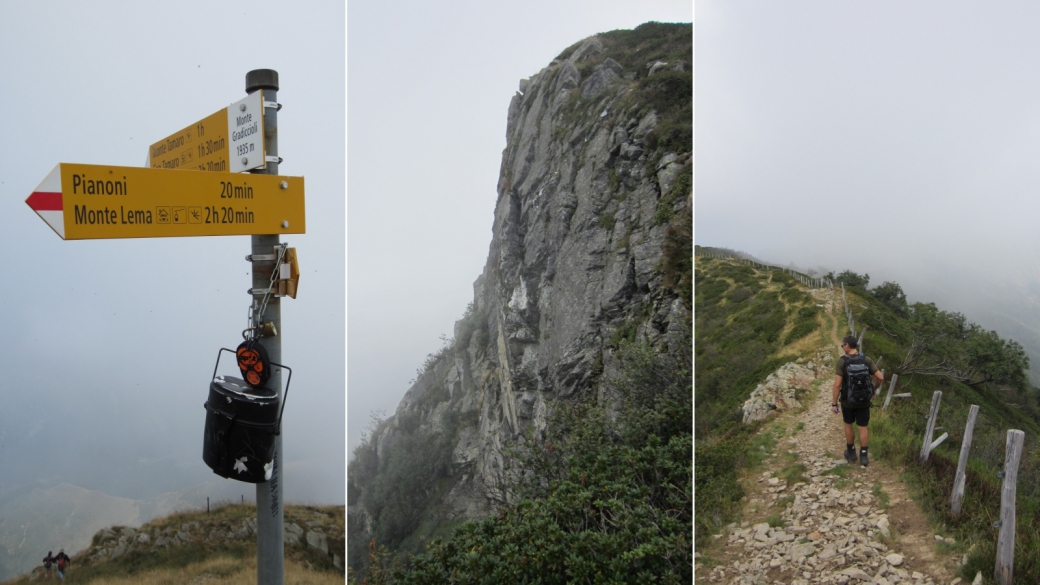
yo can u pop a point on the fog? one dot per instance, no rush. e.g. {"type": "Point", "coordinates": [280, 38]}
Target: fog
{"type": "Point", "coordinates": [899, 140]}
{"type": "Point", "coordinates": [109, 345]}
{"type": "Point", "coordinates": [429, 88]}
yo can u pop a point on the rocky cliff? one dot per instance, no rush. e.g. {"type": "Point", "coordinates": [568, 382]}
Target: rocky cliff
{"type": "Point", "coordinates": [591, 245]}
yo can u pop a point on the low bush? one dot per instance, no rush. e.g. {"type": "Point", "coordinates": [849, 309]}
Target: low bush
{"type": "Point", "coordinates": [607, 498]}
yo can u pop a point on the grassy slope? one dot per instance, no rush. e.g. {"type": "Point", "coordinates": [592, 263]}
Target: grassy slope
{"type": "Point", "coordinates": [897, 433]}
{"type": "Point", "coordinates": [739, 341]}
{"type": "Point", "coordinates": [227, 562]}
{"type": "Point", "coordinates": [749, 322]}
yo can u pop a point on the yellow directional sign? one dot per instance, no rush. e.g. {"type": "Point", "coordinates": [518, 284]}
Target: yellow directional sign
{"type": "Point", "coordinates": [82, 202]}
{"type": "Point", "coordinates": [230, 140]}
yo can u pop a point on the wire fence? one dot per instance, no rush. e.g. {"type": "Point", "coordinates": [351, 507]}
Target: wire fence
{"type": "Point", "coordinates": [806, 279]}
{"type": "Point", "coordinates": [1012, 451]}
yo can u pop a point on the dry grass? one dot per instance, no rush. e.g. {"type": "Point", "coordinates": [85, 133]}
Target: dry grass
{"type": "Point", "coordinates": [219, 571]}
{"type": "Point", "coordinates": [225, 562]}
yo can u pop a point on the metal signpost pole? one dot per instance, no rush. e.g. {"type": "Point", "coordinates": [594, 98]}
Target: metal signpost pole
{"type": "Point", "coordinates": [270, 551]}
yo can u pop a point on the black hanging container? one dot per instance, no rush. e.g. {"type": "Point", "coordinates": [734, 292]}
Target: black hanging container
{"type": "Point", "coordinates": [241, 425]}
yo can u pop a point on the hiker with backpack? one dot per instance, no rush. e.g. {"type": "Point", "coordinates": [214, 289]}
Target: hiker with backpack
{"type": "Point", "coordinates": [63, 561]}
{"type": "Point", "coordinates": [48, 561]}
{"type": "Point", "coordinates": [854, 378]}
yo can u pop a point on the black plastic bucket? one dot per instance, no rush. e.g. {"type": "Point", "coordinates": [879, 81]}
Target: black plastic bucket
{"type": "Point", "coordinates": [241, 425]}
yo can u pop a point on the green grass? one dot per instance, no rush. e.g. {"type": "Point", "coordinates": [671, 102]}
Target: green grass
{"type": "Point", "coordinates": [839, 471]}
{"type": "Point", "coordinates": [793, 473]}
{"type": "Point", "coordinates": [775, 521]}
{"type": "Point", "coordinates": [738, 325]}
{"type": "Point", "coordinates": [896, 435]}
{"type": "Point", "coordinates": [880, 494]}
{"type": "Point", "coordinates": [762, 446]}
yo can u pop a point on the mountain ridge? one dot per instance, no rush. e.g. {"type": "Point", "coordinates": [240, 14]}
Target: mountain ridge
{"type": "Point", "coordinates": [590, 249]}
{"type": "Point", "coordinates": [748, 326]}
{"type": "Point", "coordinates": [216, 544]}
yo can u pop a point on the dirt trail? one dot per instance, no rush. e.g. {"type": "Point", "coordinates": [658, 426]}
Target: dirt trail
{"type": "Point", "coordinates": [834, 522]}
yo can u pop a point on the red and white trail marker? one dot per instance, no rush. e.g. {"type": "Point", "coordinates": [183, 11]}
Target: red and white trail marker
{"type": "Point", "coordinates": [46, 201]}
{"type": "Point", "coordinates": [90, 202]}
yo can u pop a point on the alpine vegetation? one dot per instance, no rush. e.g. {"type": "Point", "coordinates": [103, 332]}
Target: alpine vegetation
{"type": "Point", "coordinates": [550, 438]}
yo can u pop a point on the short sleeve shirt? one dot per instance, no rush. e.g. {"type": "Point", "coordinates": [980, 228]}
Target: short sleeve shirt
{"type": "Point", "coordinates": [839, 370]}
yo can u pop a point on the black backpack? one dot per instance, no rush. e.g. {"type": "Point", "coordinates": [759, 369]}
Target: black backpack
{"type": "Point", "coordinates": [858, 389]}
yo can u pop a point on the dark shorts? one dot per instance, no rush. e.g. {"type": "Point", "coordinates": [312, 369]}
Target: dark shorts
{"type": "Point", "coordinates": [861, 416]}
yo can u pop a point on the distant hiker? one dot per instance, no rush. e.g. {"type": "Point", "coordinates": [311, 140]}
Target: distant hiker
{"type": "Point", "coordinates": [48, 561]}
{"type": "Point", "coordinates": [63, 561]}
{"type": "Point", "coordinates": [854, 378]}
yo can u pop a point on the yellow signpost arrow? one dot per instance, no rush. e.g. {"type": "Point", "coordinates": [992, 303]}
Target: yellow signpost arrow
{"type": "Point", "coordinates": [229, 140]}
{"type": "Point", "coordinates": [82, 202]}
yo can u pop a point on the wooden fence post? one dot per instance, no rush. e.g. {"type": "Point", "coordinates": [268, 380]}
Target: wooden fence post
{"type": "Point", "coordinates": [932, 415]}
{"type": "Point", "coordinates": [957, 499]}
{"type": "Point", "coordinates": [1006, 539]}
{"type": "Point", "coordinates": [891, 387]}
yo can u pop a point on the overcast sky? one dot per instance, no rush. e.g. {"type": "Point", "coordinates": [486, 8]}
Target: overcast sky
{"type": "Point", "coordinates": [109, 345]}
{"type": "Point", "coordinates": [890, 138]}
{"type": "Point", "coordinates": [429, 86]}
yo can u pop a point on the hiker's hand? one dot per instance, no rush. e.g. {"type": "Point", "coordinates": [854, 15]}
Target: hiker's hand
{"type": "Point", "coordinates": [836, 409]}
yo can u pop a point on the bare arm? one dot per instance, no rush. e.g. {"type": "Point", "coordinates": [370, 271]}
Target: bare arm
{"type": "Point", "coordinates": [835, 389]}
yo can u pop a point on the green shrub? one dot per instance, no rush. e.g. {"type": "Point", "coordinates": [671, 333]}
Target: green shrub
{"type": "Point", "coordinates": [800, 330]}
{"type": "Point", "coordinates": [617, 504]}
{"type": "Point", "coordinates": [805, 323]}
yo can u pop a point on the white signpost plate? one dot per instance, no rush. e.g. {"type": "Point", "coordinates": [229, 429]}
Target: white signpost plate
{"type": "Point", "coordinates": [245, 122]}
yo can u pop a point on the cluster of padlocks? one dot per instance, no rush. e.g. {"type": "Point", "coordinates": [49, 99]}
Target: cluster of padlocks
{"type": "Point", "coordinates": [244, 415]}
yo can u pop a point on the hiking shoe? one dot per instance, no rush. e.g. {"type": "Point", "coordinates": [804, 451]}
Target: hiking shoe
{"type": "Point", "coordinates": [863, 459]}
{"type": "Point", "coordinates": [850, 456]}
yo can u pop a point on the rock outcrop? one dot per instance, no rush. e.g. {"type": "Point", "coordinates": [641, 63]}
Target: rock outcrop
{"type": "Point", "coordinates": [778, 392]}
{"type": "Point", "coordinates": [590, 232]}
{"type": "Point", "coordinates": [318, 533]}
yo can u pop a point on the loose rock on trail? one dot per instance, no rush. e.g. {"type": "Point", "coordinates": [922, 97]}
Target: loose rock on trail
{"type": "Point", "coordinates": [836, 522]}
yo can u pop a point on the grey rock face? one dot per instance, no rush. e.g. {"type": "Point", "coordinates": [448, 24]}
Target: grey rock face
{"type": "Point", "coordinates": [318, 540]}
{"type": "Point", "coordinates": [590, 48]}
{"type": "Point", "coordinates": [603, 76]}
{"type": "Point", "coordinates": [569, 77]}
{"type": "Point", "coordinates": [657, 66]}
{"type": "Point", "coordinates": [575, 257]}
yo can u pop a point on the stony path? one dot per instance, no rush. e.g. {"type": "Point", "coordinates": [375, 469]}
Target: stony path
{"type": "Point", "coordinates": [835, 523]}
